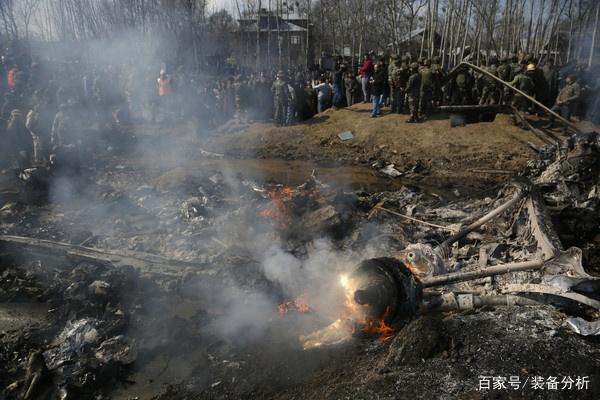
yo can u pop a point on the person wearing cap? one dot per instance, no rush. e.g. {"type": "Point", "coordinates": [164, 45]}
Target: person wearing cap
{"type": "Point", "coordinates": [524, 82]}
{"type": "Point", "coordinates": [567, 99]}
{"type": "Point", "coordinates": [413, 91]}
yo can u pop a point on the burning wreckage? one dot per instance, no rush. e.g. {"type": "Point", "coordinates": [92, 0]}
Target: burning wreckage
{"type": "Point", "coordinates": [218, 294]}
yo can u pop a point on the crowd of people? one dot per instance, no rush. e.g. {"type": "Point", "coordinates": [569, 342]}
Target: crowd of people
{"type": "Point", "coordinates": [53, 112]}
{"type": "Point", "coordinates": [417, 87]}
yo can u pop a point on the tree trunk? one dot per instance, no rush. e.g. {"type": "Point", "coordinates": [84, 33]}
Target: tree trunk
{"type": "Point", "coordinates": [258, 19]}
{"type": "Point", "coordinates": [591, 57]}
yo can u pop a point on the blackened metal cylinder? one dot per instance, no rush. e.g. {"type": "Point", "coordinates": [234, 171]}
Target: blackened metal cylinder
{"type": "Point", "coordinates": [386, 289]}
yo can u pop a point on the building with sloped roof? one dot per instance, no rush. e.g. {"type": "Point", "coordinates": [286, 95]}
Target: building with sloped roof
{"type": "Point", "coordinates": [267, 34]}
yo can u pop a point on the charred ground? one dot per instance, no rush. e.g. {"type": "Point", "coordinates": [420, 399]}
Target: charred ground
{"type": "Point", "coordinates": [214, 331]}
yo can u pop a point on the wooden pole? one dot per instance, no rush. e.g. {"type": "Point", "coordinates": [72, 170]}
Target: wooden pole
{"type": "Point", "coordinates": [594, 36]}
{"type": "Point", "coordinates": [534, 101]}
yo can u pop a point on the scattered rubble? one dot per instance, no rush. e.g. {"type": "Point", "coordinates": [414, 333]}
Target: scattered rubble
{"type": "Point", "coordinates": [130, 275]}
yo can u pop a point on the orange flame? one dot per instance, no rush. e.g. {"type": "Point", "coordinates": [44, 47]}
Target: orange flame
{"type": "Point", "coordinates": [278, 211]}
{"type": "Point", "coordinates": [298, 305]}
{"type": "Point", "coordinates": [378, 327]}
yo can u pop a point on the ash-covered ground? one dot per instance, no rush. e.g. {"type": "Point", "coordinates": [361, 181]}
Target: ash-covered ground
{"type": "Point", "coordinates": [254, 251]}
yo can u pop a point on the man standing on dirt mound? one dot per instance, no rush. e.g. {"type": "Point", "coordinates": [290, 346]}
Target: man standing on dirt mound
{"type": "Point", "coordinates": [366, 72]}
{"type": "Point", "coordinates": [566, 101]}
{"type": "Point", "coordinates": [413, 91]}
{"type": "Point", "coordinates": [280, 98]}
{"type": "Point", "coordinates": [377, 89]}
{"type": "Point", "coordinates": [426, 95]}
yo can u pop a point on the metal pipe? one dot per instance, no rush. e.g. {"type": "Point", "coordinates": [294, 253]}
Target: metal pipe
{"type": "Point", "coordinates": [441, 280]}
{"type": "Point", "coordinates": [555, 140]}
{"type": "Point", "coordinates": [521, 192]}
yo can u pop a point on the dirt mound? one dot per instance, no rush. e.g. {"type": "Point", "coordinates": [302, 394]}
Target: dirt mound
{"type": "Point", "coordinates": [447, 153]}
{"type": "Point", "coordinates": [422, 338]}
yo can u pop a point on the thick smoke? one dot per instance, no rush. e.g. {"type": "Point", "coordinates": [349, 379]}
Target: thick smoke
{"type": "Point", "coordinates": [98, 79]}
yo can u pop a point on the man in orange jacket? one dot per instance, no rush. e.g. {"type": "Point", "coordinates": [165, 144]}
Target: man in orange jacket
{"type": "Point", "coordinates": [11, 77]}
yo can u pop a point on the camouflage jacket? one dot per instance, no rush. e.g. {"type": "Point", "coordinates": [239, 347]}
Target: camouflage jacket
{"type": "Point", "coordinates": [524, 83]}
{"type": "Point", "coordinates": [413, 85]}
{"type": "Point", "coordinates": [279, 90]}
{"type": "Point", "coordinates": [426, 79]}
{"type": "Point", "coordinates": [400, 76]}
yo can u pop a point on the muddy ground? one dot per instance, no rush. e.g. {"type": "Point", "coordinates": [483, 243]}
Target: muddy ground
{"type": "Point", "coordinates": [170, 199]}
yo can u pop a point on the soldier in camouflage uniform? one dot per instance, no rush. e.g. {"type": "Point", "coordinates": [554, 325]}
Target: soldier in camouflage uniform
{"type": "Point", "coordinates": [504, 69]}
{"type": "Point", "coordinates": [541, 85]}
{"type": "Point", "coordinates": [439, 76]}
{"type": "Point", "coordinates": [504, 74]}
{"type": "Point", "coordinates": [19, 141]}
{"type": "Point", "coordinates": [490, 93]}
{"type": "Point", "coordinates": [551, 76]}
{"type": "Point", "coordinates": [515, 67]}
{"type": "Point", "coordinates": [280, 98]}
{"type": "Point", "coordinates": [291, 105]}
{"type": "Point", "coordinates": [413, 91]}
{"type": "Point", "coordinates": [426, 95]}
{"type": "Point", "coordinates": [398, 81]}
{"type": "Point", "coordinates": [461, 88]}
{"type": "Point", "coordinates": [66, 156]}
{"type": "Point", "coordinates": [524, 82]}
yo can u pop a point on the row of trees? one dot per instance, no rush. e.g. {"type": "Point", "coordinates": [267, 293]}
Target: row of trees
{"type": "Point", "coordinates": [452, 28]}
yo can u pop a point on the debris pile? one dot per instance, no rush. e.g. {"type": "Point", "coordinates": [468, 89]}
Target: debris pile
{"type": "Point", "coordinates": [175, 265]}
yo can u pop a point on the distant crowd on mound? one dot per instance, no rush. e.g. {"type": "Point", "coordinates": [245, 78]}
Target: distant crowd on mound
{"type": "Point", "coordinates": [57, 112]}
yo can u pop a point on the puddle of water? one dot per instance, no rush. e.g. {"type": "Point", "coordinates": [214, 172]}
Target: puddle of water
{"type": "Point", "coordinates": [286, 172]}
{"type": "Point", "coordinates": [297, 172]}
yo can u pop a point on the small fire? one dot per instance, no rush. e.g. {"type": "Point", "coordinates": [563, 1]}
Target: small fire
{"type": "Point", "coordinates": [298, 305]}
{"type": "Point", "coordinates": [377, 327]}
{"type": "Point", "coordinates": [279, 211]}
{"type": "Point", "coordinates": [353, 319]}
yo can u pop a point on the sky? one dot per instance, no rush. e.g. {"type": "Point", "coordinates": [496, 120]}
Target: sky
{"type": "Point", "coordinates": [219, 4]}
{"type": "Point", "coordinates": [229, 5]}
